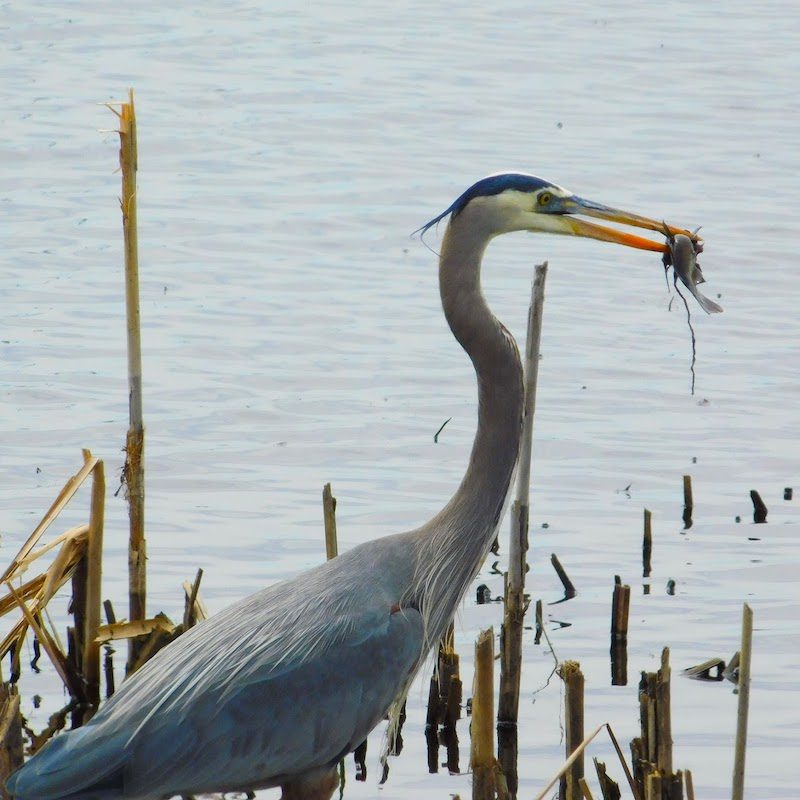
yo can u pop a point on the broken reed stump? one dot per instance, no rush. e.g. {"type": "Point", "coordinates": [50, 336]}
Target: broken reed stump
{"type": "Point", "coordinates": [620, 606]}
{"type": "Point", "coordinates": [11, 751]}
{"type": "Point", "coordinates": [688, 502]}
{"type": "Point", "coordinates": [651, 752]}
{"type": "Point", "coordinates": [569, 589]}
{"type": "Point", "coordinates": [482, 758]}
{"type": "Point", "coordinates": [193, 611]}
{"type": "Point", "coordinates": [609, 788]}
{"type": "Point", "coordinates": [688, 780]}
{"type": "Point", "coordinates": [743, 704]}
{"type": "Point", "coordinates": [647, 544]}
{"type": "Point", "coordinates": [94, 576]}
{"type": "Point", "coordinates": [108, 657]}
{"type": "Point", "coordinates": [444, 705]}
{"type": "Point", "coordinates": [329, 518]}
{"type": "Point", "coordinates": [538, 616]}
{"type": "Point", "coordinates": [133, 471]}
{"type": "Point", "coordinates": [759, 507]}
{"type": "Point", "coordinates": [570, 673]}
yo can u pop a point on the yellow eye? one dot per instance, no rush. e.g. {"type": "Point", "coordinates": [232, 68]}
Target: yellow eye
{"type": "Point", "coordinates": [545, 198]}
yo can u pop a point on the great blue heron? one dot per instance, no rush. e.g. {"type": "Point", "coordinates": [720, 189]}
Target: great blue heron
{"type": "Point", "coordinates": [276, 689]}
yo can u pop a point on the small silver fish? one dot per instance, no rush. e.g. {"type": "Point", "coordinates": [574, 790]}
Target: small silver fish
{"type": "Point", "coordinates": [683, 258]}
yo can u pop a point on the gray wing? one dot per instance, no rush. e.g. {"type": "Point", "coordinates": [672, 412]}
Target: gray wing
{"type": "Point", "coordinates": [283, 682]}
{"type": "Point", "coordinates": [268, 724]}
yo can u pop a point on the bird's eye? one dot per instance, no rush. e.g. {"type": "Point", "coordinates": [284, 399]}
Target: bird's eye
{"type": "Point", "coordinates": [545, 198]}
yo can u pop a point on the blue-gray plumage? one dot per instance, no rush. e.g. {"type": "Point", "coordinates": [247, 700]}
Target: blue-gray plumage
{"type": "Point", "coordinates": [275, 689]}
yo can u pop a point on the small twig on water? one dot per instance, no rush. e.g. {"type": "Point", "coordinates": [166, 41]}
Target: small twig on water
{"type": "Point", "coordinates": [436, 435]}
{"type": "Point", "coordinates": [556, 662]}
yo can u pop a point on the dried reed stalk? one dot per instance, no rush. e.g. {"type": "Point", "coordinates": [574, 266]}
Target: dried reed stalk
{"type": "Point", "coordinates": [586, 792]}
{"type": "Point", "coordinates": [688, 501]}
{"type": "Point", "coordinates": [647, 544]}
{"type": "Point", "coordinates": [134, 628]}
{"type": "Point", "coordinates": [133, 471]}
{"type": "Point", "coordinates": [620, 607]}
{"type": "Point", "coordinates": [744, 703]}
{"type": "Point", "coordinates": [576, 754]}
{"type": "Point", "coordinates": [94, 575]}
{"type": "Point", "coordinates": [195, 607]}
{"type": "Point", "coordinates": [570, 673]}
{"type": "Point", "coordinates": [64, 496]}
{"type": "Point", "coordinates": [482, 756]}
{"type": "Point", "coordinates": [61, 663]}
{"type": "Point", "coordinates": [514, 611]}
{"type": "Point", "coordinates": [329, 516]}
{"type": "Point", "coordinates": [40, 589]}
{"type": "Point", "coordinates": [652, 750]}
{"type": "Point", "coordinates": [11, 750]}
{"type": "Point", "coordinates": [609, 788]}
{"type": "Point", "coordinates": [518, 544]}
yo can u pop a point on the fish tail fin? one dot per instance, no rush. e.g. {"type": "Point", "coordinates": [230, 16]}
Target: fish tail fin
{"type": "Point", "coordinates": [708, 305]}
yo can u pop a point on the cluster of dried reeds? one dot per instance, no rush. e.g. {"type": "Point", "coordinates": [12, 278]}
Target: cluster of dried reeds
{"type": "Point", "coordinates": [78, 557]}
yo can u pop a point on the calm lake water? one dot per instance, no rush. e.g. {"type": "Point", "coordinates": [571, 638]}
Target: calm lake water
{"type": "Point", "coordinates": [293, 335]}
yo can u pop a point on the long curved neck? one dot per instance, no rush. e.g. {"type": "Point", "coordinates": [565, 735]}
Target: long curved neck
{"type": "Point", "coordinates": [456, 540]}
{"type": "Point", "coordinates": [497, 365]}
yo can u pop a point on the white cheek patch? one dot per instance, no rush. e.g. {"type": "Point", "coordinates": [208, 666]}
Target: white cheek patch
{"type": "Point", "coordinates": [511, 198]}
{"type": "Point", "coordinates": [550, 223]}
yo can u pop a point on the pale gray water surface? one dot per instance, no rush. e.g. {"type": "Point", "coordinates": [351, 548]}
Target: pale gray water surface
{"type": "Point", "coordinates": [292, 330]}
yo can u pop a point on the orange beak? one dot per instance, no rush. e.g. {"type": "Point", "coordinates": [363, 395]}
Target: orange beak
{"type": "Point", "coordinates": [579, 227]}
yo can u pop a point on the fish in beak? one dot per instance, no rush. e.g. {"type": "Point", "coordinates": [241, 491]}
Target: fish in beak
{"type": "Point", "coordinates": [682, 257]}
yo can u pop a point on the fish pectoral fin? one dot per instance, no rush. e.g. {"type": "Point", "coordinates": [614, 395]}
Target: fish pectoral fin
{"type": "Point", "coordinates": [698, 275]}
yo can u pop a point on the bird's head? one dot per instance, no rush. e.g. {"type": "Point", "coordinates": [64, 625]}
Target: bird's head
{"type": "Point", "coordinates": [517, 202]}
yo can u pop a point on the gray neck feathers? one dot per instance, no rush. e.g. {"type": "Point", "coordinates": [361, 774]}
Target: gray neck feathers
{"type": "Point", "coordinates": [454, 543]}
